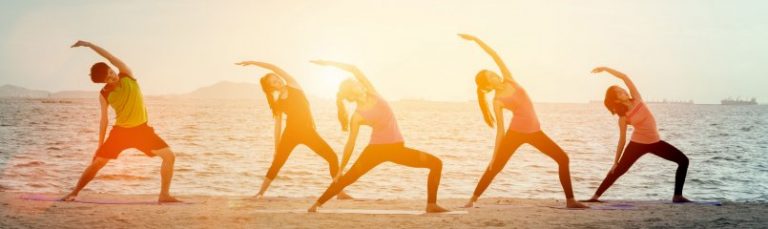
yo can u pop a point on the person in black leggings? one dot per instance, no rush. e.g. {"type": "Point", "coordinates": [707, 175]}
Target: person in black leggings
{"type": "Point", "coordinates": [300, 127]}
{"type": "Point", "coordinates": [645, 138]}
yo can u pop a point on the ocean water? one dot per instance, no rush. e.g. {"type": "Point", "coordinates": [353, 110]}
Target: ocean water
{"type": "Point", "coordinates": [224, 147]}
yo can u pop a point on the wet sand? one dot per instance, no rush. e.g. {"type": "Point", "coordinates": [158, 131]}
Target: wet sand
{"type": "Point", "coordinates": [134, 211]}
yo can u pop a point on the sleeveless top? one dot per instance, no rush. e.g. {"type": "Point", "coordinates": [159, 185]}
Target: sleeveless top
{"type": "Point", "coordinates": [382, 121]}
{"type": "Point", "coordinates": [296, 108]}
{"type": "Point", "coordinates": [644, 123]}
{"type": "Point", "coordinates": [524, 118]}
{"type": "Point", "coordinates": [127, 101]}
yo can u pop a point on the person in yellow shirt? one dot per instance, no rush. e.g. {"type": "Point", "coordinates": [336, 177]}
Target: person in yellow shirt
{"type": "Point", "coordinates": [130, 130]}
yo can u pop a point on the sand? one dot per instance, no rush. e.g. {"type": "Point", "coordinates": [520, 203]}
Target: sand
{"type": "Point", "coordinates": [238, 212]}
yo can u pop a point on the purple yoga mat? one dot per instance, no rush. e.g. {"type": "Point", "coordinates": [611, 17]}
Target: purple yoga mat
{"type": "Point", "coordinates": [41, 197]}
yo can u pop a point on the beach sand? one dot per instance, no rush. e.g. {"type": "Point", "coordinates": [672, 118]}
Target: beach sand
{"type": "Point", "coordinates": [239, 212]}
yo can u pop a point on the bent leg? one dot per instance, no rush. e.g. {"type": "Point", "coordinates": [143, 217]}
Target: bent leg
{"type": "Point", "coordinates": [543, 143]}
{"type": "Point", "coordinates": [669, 152]}
{"type": "Point", "coordinates": [166, 173]}
{"type": "Point", "coordinates": [418, 159]}
{"type": "Point", "coordinates": [319, 146]}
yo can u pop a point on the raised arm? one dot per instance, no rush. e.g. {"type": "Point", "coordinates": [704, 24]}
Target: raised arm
{"type": "Point", "coordinates": [632, 88]}
{"type": "Point", "coordinates": [349, 68]}
{"type": "Point", "coordinates": [277, 70]}
{"type": "Point", "coordinates": [503, 67]}
{"type": "Point", "coordinates": [121, 66]}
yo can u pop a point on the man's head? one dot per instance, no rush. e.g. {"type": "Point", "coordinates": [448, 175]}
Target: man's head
{"type": "Point", "coordinates": [102, 73]}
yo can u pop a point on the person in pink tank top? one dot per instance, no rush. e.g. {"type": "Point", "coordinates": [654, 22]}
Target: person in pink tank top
{"type": "Point", "coordinates": [645, 138]}
{"type": "Point", "coordinates": [386, 142]}
{"type": "Point", "coordinates": [523, 128]}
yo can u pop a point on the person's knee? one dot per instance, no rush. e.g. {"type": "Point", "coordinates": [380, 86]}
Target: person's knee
{"type": "Point", "coordinates": [683, 163]}
{"type": "Point", "coordinates": [436, 164]}
{"type": "Point", "coordinates": [564, 161]}
{"type": "Point", "coordinates": [166, 154]}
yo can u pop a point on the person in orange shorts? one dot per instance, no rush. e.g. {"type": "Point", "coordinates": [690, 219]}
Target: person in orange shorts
{"type": "Point", "coordinates": [121, 91]}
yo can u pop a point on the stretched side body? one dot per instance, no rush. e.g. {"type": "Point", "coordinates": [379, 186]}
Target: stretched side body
{"type": "Point", "coordinates": [386, 141]}
{"type": "Point", "coordinates": [121, 91]}
{"type": "Point", "coordinates": [632, 111]}
{"type": "Point", "coordinates": [523, 128]}
{"type": "Point", "coordinates": [300, 126]}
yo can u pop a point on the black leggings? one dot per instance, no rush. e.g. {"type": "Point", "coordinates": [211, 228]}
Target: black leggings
{"type": "Point", "coordinates": [373, 155]}
{"type": "Point", "coordinates": [635, 150]}
{"type": "Point", "coordinates": [512, 140]}
{"type": "Point", "coordinates": [309, 137]}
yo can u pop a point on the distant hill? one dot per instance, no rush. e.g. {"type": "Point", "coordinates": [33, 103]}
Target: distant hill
{"type": "Point", "coordinates": [75, 94]}
{"type": "Point", "coordinates": [11, 91]}
{"type": "Point", "coordinates": [227, 90]}
{"type": "Point", "coordinates": [220, 90]}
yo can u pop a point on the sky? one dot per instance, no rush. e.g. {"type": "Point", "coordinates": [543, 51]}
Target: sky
{"type": "Point", "coordinates": [679, 50]}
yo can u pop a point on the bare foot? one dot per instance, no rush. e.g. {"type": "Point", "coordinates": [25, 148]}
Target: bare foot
{"type": "Point", "coordinates": [312, 209]}
{"type": "Point", "coordinates": [343, 196]}
{"type": "Point", "coordinates": [256, 197]}
{"type": "Point", "coordinates": [69, 197]}
{"type": "Point", "coordinates": [592, 200]}
{"type": "Point", "coordinates": [167, 199]}
{"type": "Point", "coordinates": [571, 203]}
{"type": "Point", "coordinates": [680, 199]}
{"type": "Point", "coordinates": [434, 208]}
{"type": "Point", "coordinates": [470, 204]}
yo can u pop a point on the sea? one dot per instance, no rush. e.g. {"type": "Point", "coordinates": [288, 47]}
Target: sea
{"type": "Point", "coordinates": [225, 147]}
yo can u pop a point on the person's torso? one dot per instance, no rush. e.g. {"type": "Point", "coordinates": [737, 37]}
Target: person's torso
{"type": "Point", "coordinates": [382, 121]}
{"type": "Point", "coordinates": [296, 108]}
{"type": "Point", "coordinates": [524, 118]}
{"type": "Point", "coordinates": [644, 124]}
{"type": "Point", "coordinates": [127, 102]}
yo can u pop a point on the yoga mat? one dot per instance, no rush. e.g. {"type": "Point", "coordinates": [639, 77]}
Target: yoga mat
{"type": "Point", "coordinates": [40, 197]}
{"type": "Point", "coordinates": [361, 211]}
{"type": "Point", "coordinates": [622, 206]}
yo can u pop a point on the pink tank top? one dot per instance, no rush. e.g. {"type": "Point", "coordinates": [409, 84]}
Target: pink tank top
{"type": "Point", "coordinates": [644, 124]}
{"type": "Point", "coordinates": [524, 118]}
{"type": "Point", "coordinates": [382, 121]}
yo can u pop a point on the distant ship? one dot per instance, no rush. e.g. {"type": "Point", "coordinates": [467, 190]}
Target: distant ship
{"type": "Point", "coordinates": [738, 101]}
{"type": "Point", "coordinates": [665, 101]}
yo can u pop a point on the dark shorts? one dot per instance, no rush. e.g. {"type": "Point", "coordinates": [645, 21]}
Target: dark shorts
{"type": "Point", "coordinates": [141, 137]}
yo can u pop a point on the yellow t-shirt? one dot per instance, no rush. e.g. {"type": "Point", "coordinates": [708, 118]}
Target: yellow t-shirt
{"type": "Point", "coordinates": [128, 103]}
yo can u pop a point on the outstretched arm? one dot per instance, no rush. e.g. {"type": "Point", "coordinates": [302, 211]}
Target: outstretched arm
{"type": "Point", "coordinates": [632, 89]}
{"type": "Point", "coordinates": [350, 146]}
{"type": "Point", "coordinates": [503, 67]}
{"type": "Point", "coordinates": [277, 70]}
{"type": "Point", "coordinates": [121, 66]}
{"type": "Point", "coordinates": [622, 141]}
{"type": "Point", "coordinates": [349, 68]}
{"type": "Point", "coordinates": [497, 109]}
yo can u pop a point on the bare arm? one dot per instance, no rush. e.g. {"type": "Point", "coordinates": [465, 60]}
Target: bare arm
{"type": "Point", "coordinates": [278, 130]}
{"type": "Point", "coordinates": [503, 67]}
{"type": "Point", "coordinates": [497, 109]}
{"type": "Point", "coordinates": [277, 70]}
{"type": "Point", "coordinates": [350, 146]}
{"type": "Point", "coordinates": [622, 141]}
{"type": "Point", "coordinates": [121, 66]}
{"type": "Point", "coordinates": [632, 88]}
{"type": "Point", "coordinates": [104, 120]}
{"type": "Point", "coordinates": [352, 69]}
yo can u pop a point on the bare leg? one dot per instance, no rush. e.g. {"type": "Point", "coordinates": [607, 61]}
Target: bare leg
{"type": "Point", "coordinates": [166, 174]}
{"type": "Point", "coordinates": [86, 177]}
